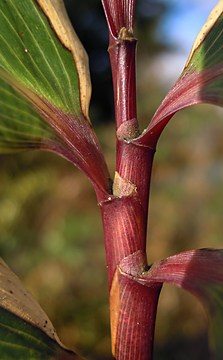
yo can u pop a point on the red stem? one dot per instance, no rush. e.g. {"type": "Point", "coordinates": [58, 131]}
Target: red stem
{"type": "Point", "coordinates": [125, 217]}
{"type": "Point", "coordinates": [122, 57]}
{"type": "Point", "coordinates": [124, 214]}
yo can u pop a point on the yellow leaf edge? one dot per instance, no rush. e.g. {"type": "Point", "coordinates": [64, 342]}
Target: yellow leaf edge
{"type": "Point", "coordinates": [211, 20]}
{"type": "Point", "coordinates": [56, 13]}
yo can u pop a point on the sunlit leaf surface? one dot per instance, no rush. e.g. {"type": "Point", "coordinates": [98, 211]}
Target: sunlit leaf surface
{"type": "Point", "coordinates": [200, 82]}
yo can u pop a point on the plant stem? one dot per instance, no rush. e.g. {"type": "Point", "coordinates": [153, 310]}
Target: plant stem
{"type": "Point", "coordinates": [132, 307]}
{"type": "Point", "coordinates": [124, 213]}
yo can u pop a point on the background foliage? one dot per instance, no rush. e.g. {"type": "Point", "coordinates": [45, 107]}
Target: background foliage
{"type": "Point", "coordinates": [51, 234]}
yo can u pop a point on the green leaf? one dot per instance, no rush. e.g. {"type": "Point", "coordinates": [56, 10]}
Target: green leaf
{"type": "Point", "coordinates": [21, 126]}
{"type": "Point", "coordinates": [201, 273]}
{"type": "Point", "coordinates": [200, 82]}
{"type": "Point", "coordinates": [25, 330]}
{"type": "Point", "coordinates": [58, 18]}
{"type": "Point", "coordinates": [32, 55]}
{"type": "Point", "coordinates": [42, 60]}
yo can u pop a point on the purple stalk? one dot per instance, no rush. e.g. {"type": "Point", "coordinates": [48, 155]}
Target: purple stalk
{"type": "Point", "coordinates": [124, 213]}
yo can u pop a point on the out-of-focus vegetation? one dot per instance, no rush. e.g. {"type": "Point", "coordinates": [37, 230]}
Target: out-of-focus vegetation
{"type": "Point", "coordinates": [51, 234]}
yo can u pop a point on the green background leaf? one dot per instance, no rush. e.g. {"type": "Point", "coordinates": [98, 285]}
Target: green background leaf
{"type": "Point", "coordinates": [20, 340]}
{"type": "Point", "coordinates": [25, 330]}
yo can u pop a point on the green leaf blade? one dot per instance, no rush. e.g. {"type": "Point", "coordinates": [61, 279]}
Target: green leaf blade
{"type": "Point", "coordinates": [215, 292]}
{"type": "Point", "coordinates": [201, 273]}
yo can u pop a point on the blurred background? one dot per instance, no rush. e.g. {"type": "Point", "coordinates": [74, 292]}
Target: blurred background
{"type": "Point", "coordinates": [51, 234]}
